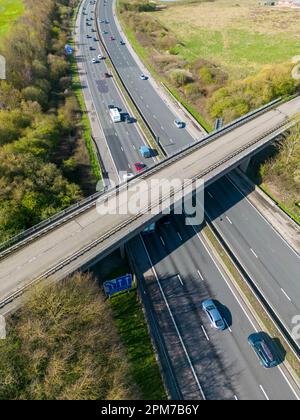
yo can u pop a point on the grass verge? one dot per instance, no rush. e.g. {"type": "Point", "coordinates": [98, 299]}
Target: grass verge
{"type": "Point", "coordinates": [132, 328]}
{"type": "Point", "coordinates": [252, 300]}
{"type": "Point", "coordinates": [281, 205]}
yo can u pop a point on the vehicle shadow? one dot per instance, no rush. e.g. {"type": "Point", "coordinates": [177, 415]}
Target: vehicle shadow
{"type": "Point", "coordinates": [225, 313]}
{"type": "Point", "coordinates": [276, 346]}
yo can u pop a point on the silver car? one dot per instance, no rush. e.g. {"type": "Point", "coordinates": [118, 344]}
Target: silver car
{"type": "Point", "coordinates": [214, 315]}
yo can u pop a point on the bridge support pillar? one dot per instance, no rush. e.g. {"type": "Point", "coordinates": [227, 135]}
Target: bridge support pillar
{"type": "Point", "coordinates": [122, 252]}
{"type": "Point", "coordinates": [244, 165]}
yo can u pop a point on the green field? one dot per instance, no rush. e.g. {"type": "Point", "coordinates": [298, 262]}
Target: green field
{"type": "Point", "coordinates": [241, 37]}
{"type": "Point", "coordinates": [10, 10]}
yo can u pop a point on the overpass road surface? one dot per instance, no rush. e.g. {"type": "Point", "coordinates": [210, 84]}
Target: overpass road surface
{"type": "Point", "coordinates": [91, 235]}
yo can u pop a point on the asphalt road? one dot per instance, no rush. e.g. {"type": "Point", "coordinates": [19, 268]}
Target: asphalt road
{"type": "Point", "coordinates": [268, 260]}
{"type": "Point", "coordinates": [224, 365]}
{"type": "Point", "coordinates": [123, 139]}
{"type": "Point", "coordinates": [188, 274]}
{"type": "Point", "coordinates": [158, 115]}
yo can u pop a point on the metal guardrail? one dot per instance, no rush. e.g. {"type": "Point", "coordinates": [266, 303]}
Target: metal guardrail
{"type": "Point", "coordinates": [36, 231]}
{"type": "Point", "coordinates": [277, 131]}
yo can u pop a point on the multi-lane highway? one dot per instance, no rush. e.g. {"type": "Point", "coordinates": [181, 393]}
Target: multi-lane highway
{"type": "Point", "coordinates": [121, 138]}
{"type": "Point", "coordinates": [267, 258]}
{"type": "Point", "coordinates": [205, 363]}
{"type": "Point", "coordinates": [185, 274]}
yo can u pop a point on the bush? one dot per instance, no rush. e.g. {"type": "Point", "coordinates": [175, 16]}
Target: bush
{"type": "Point", "coordinates": [63, 345]}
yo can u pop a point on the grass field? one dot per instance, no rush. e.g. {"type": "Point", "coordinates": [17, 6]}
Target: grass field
{"type": "Point", "coordinates": [10, 10]}
{"type": "Point", "coordinates": [241, 37]}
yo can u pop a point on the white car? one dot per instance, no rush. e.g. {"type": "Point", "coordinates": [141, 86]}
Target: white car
{"type": "Point", "coordinates": [99, 57]}
{"type": "Point", "coordinates": [179, 124]}
{"type": "Point", "coordinates": [94, 60]}
{"type": "Point", "coordinates": [144, 77]}
{"type": "Point", "coordinates": [127, 176]}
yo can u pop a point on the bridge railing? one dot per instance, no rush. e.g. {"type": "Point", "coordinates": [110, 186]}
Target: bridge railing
{"type": "Point", "coordinates": [63, 216]}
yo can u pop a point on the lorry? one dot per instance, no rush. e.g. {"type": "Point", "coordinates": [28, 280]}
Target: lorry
{"type": "Point", "coordinates": [115, 114]}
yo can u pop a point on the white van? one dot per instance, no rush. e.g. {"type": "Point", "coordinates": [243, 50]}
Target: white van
{"type": "Point", "coordinates": [115, 115]}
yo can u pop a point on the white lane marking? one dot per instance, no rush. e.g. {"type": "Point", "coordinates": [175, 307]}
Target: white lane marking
{"type": "Point", "coordinates": [134, 147]}
{"type": "Point", "coordinates": [32, 259]}
{"type": "Point", "coordinates": [229, 329]}
{"type": "Point", "coordinates": [264, 392]}
{"type": "Point", "coordinates": [210, 194]}
{"type": "Point", "coordinates": [286, 295]}
{"type": "Point", "coordinates": [162, 241]}
{"type": "Point", "coordinates": [205, 333]}
{"type": "Point", "coordinates": [122, 149]}
{"type": "Point", "coordinates": [289, 384]}
{"type": "Point", "coordinates": [253, 252]}
{"type": "Point", "coordinates": [180, 279]}
{"type": "Point", "coordinates": [200, 275]}
{"type": "Point", "coordinates": [264, 218]}
{"type": "Point", "coordinates": [229, 220]}
{"type": "Point", "coordinates": [171, 141]}
{"type": "Point", "coordinates": [129, 166]}
{"type": "Point", "coordinates": [180, 237]}
{"type": "Point", "coordinates": [174, 323]}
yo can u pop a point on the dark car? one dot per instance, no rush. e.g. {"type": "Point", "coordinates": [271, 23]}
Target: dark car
{"type": "Point", "coordinates": [264, 350]}
{"type": "Point", "coordinates": [107, 75]}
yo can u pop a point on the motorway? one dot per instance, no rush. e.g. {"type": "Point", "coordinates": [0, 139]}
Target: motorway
{"type": "Point", "coordinates": [266, 257]}
{"type": "Point", "coordinates": [123, 140]}
{"type": "Point", "coordinates": [222, 365]}
{"type": "Point", "coordinates": [224, 368]}
{"type": "Point", "coordinates": [185, 273]}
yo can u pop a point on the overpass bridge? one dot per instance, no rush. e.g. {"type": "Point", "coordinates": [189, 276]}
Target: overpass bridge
{"type": "Point", "coordinates": [82, 237]}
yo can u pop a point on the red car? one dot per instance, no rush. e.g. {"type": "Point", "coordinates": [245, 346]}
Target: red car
{"type": "Point", "coordinates": [139, 166]}
{"type": "Point", "coordinates": [112, 38]}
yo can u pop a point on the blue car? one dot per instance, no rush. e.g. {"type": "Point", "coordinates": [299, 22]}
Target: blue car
{"type": "Point", "coordinates": [264, 351]}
